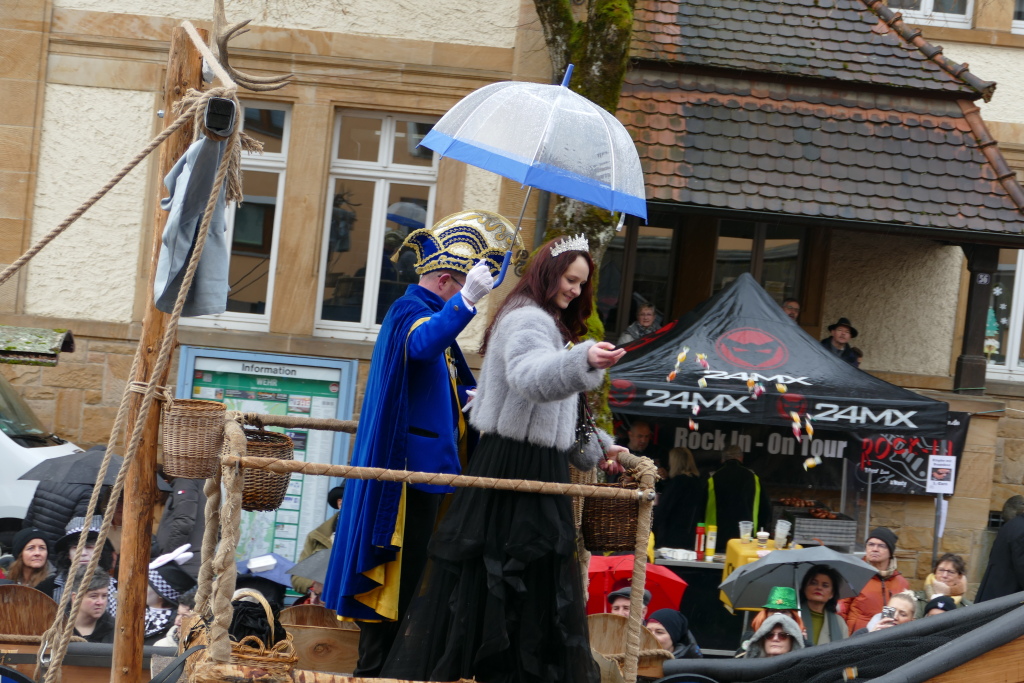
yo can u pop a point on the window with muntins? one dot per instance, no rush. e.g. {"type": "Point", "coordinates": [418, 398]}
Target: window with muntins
{"type": "Point", "coordinates": [950, 13]}
{"type": "Point", "coordinates": [381, 188]}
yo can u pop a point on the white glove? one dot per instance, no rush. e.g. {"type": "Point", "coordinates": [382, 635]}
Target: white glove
{"type": "Point", "coordinates": [479, 283]}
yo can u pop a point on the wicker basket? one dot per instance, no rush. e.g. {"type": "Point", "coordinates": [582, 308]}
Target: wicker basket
{"type": "Point", "coordinates": [263, 491]}
{"type": "Point", "coordinates": [609, 524]}
{"type": "Point", "coordinates": [276, 662]}
{"type": "Point", "coordinates": [193, 435]}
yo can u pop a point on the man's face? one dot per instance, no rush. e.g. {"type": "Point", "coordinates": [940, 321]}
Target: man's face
{"type": "Point", "coordinates": [876, 552]}
{"type": "Point", "coordinates": [940, 474]}
{"type": "Point", "coordinates": [645, 317]}
{"type": "Point", "coordinates": [639, 437]}
{"type": "Point", "coordinates": [621, 606]}
{"type": "Point", "coordinates": [841, 335]}
{"type": "Point", "coordinates": [792, 309]}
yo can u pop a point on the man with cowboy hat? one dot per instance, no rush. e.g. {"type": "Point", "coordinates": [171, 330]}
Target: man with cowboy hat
{"type": "Point", "coordinates": [411, 419]}
{"type": "Point", "coordinates": [838, 341]}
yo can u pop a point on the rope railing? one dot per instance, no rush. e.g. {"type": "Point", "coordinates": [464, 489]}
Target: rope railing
{"type": "Point", "coordinates": [457, 480]}
{"type": "Point", "coordinates": [234, 460]}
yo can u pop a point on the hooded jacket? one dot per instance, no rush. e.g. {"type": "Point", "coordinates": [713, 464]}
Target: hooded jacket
{"type": "Point", "coordinates": [873, 597]}
{"type": "Point", "coordinates": [756, 648]}
{"type": "Point", "coordinates": [183, 521]}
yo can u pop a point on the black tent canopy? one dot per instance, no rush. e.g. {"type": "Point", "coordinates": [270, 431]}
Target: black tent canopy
{"type": "Point", "coordinates": [745, 335]}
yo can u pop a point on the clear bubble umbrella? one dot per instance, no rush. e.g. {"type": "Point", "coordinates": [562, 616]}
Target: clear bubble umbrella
{"type": "Point", "coordinates": [548, 137]}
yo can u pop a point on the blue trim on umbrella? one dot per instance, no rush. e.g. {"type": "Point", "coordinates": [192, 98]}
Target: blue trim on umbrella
{"type": "Point", "coordinates": [542, 176]}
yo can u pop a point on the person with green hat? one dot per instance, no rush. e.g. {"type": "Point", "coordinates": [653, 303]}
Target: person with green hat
{"type": "Point", "coordinates": [781, 600]}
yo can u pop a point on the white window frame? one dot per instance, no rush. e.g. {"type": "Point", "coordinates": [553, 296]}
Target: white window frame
{"type": "Point", "coordinates": [271, 162]}
{"type": "Point", "coordinates": [926, 17]}
{"type": "Point", "coordinates": [382, 173]}
{"type": "Point", "coordinates": [1013, 368]}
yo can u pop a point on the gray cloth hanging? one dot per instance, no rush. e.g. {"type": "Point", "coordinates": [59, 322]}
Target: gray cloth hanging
{"type": "Point", "coordinates": [190, 183]}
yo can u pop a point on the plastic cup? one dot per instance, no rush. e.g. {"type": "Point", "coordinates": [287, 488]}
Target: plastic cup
{"type": "Point", "coordinates": [762, 539]}
{"type": "Point", "coordinates": [782, 528]}
{"type": "Point", "coordinates": [746, 529]}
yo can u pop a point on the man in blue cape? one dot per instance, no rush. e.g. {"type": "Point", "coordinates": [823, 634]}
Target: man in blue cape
{"type": "Point", "coordinates": [411, 419]}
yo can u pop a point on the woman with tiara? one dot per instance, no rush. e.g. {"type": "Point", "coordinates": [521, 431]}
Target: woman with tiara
{"type": "Point", "coordinates": [502, 597]}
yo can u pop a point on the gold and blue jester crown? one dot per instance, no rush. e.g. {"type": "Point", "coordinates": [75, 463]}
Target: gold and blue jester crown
{"type": "Point", "coordinates": [458, 241]}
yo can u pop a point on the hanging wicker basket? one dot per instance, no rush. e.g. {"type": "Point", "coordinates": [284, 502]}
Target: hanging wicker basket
{"type": "Point", "coordinates": [609, 524]}
{"type": "Point", "coordinates": [193, 435]}
{"type": "Point", "coordinates": [263, 491]}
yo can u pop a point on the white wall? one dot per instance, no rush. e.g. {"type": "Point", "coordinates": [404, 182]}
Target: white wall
{"type": "Point", "coordinates": [1005, 66]}
{"type": "Point", "coordinates": [900, 293]}
{"type": "Point", "coordinates": [89, 271]}
{"type": "Point", "coordinates": [491, 23]}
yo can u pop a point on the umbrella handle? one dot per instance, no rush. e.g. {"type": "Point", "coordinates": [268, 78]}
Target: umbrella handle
{"type": "Point", "coordinates": [504, 267]}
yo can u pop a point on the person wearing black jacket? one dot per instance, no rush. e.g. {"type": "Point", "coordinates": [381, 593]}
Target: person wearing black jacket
{"type": "Point", "coordinates": [54, 505]}
{"type": "Point", "coordinates": [1005, 571]}
{"type": "Point", "coordinates": [735, 495]}
{"type": "Point", "coordinates": [93, 622]}
{"type": "Point", "coordinates": [183, 522]}
{"type": "Point", "coordinates": [838, 341]}
{"type": "Point", "coordinates": [681, 503]}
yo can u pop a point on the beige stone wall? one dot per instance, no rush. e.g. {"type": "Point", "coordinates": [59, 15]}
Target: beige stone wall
{"type": "Point", "coordinates": [79, 398]}
{"type": "Point", "coordinates": [911, 330]}
{"type": "Point", "coordinates": [490, 23]}
{"type": "Point", "coordinates": [89, 272]}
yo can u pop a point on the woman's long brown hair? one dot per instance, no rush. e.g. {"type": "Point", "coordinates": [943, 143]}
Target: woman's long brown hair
{"type": "Point", "coordinates": [541, 283]}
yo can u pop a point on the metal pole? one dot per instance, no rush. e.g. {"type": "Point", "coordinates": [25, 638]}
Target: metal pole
{"type": "Point", "coordinates": [867, 510]}
{"type": "Point", "coordinates": [935, 530]}
{"type": "Point", "coordinates": [842, 495]}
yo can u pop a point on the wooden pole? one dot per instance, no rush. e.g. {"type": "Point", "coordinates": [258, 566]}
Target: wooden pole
{"type": "Point", "coordinates": [184, 71]}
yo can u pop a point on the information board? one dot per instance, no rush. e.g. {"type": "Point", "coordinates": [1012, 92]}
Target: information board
{"type": "Point", "coordinates": [272, 384]}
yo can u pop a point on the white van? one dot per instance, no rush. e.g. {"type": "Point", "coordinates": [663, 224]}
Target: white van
{"type": "Point", "coordinates": [24, 443]}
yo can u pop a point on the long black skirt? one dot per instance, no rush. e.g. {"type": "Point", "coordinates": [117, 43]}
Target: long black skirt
{"type": "Point", "coordinates": [501, 598]}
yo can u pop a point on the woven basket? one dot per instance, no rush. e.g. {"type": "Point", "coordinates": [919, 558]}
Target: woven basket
{"type": "Point", "coordinates": [609, 524]}
{"type": "Point", "coordinates": [193, 435]}
{"type": "Point", "coordinates": [276, 662]}
{"type": "Point", "coordinates": [263, 491]}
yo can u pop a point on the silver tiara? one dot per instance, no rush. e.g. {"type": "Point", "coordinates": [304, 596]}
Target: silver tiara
{"type": "Point", "coordinates": [576, 243]}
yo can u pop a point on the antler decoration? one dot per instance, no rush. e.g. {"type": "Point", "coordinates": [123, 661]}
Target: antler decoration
{"type": "Point", "coordinates": [220, 49]}
{"type": "Point", "coordinates": [255, 83]}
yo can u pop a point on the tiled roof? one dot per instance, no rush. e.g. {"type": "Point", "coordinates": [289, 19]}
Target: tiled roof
{"type": "Point", "coordinates": [857, 41]}
{"type": "Point", "coordinates": [815, 151]}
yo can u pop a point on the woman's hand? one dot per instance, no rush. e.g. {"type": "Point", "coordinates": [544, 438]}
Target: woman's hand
{"type": "Point", "coordinates": [885, 622]}
{"type": "Point", "coordinates": [611, 462]}
{"type": "Point", "coordinates": [603, 355]}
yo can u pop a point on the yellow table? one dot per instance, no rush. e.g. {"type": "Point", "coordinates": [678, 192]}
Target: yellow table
{"type": "Point", "coordinates": [737, 554]}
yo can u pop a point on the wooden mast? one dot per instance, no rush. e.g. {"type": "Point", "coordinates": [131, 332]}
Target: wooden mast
{"type": "Point", "coordinates": [184, 71]}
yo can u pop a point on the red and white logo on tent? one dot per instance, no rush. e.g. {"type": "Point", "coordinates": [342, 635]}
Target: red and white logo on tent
{"type": "Point", "coordinates": [622, 392]}
{"type": "Point", "coordinates": [750, 347]}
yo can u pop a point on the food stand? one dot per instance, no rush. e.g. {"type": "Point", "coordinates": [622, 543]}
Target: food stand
{"type": "Point", "coordinates": [738, 371]}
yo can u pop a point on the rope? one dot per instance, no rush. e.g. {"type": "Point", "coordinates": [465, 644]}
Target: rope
{"type": "Point", "coordinates": [224, 562]}
{"type": "Point", "coordinates": [19, 638]}
{"type": "Point", "coordinates": [459, 480]}
{"type": "Point", "coordinates": [636, 596]}
{"type": "Point", "coordinates": [184, 118]}
{"type": "Point", "coordinates": [296, 421]}
{"type": "Point", "coordinates": [210, 533]}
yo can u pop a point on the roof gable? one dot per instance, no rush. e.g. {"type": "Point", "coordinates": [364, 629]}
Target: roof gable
{"type": "Point", "coordinates": [855, 41]}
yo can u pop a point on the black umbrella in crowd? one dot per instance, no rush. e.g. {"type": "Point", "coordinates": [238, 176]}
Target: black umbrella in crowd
{"type": "Point", "coordinates": [76, 468]}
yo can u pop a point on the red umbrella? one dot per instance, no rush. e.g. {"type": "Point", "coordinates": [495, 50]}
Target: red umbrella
{"type": "Point", "coordinates": [611, 573]}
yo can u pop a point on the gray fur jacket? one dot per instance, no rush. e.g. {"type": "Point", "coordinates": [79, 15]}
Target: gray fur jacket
{"type": "Point", "coordinates": [530, 383]}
